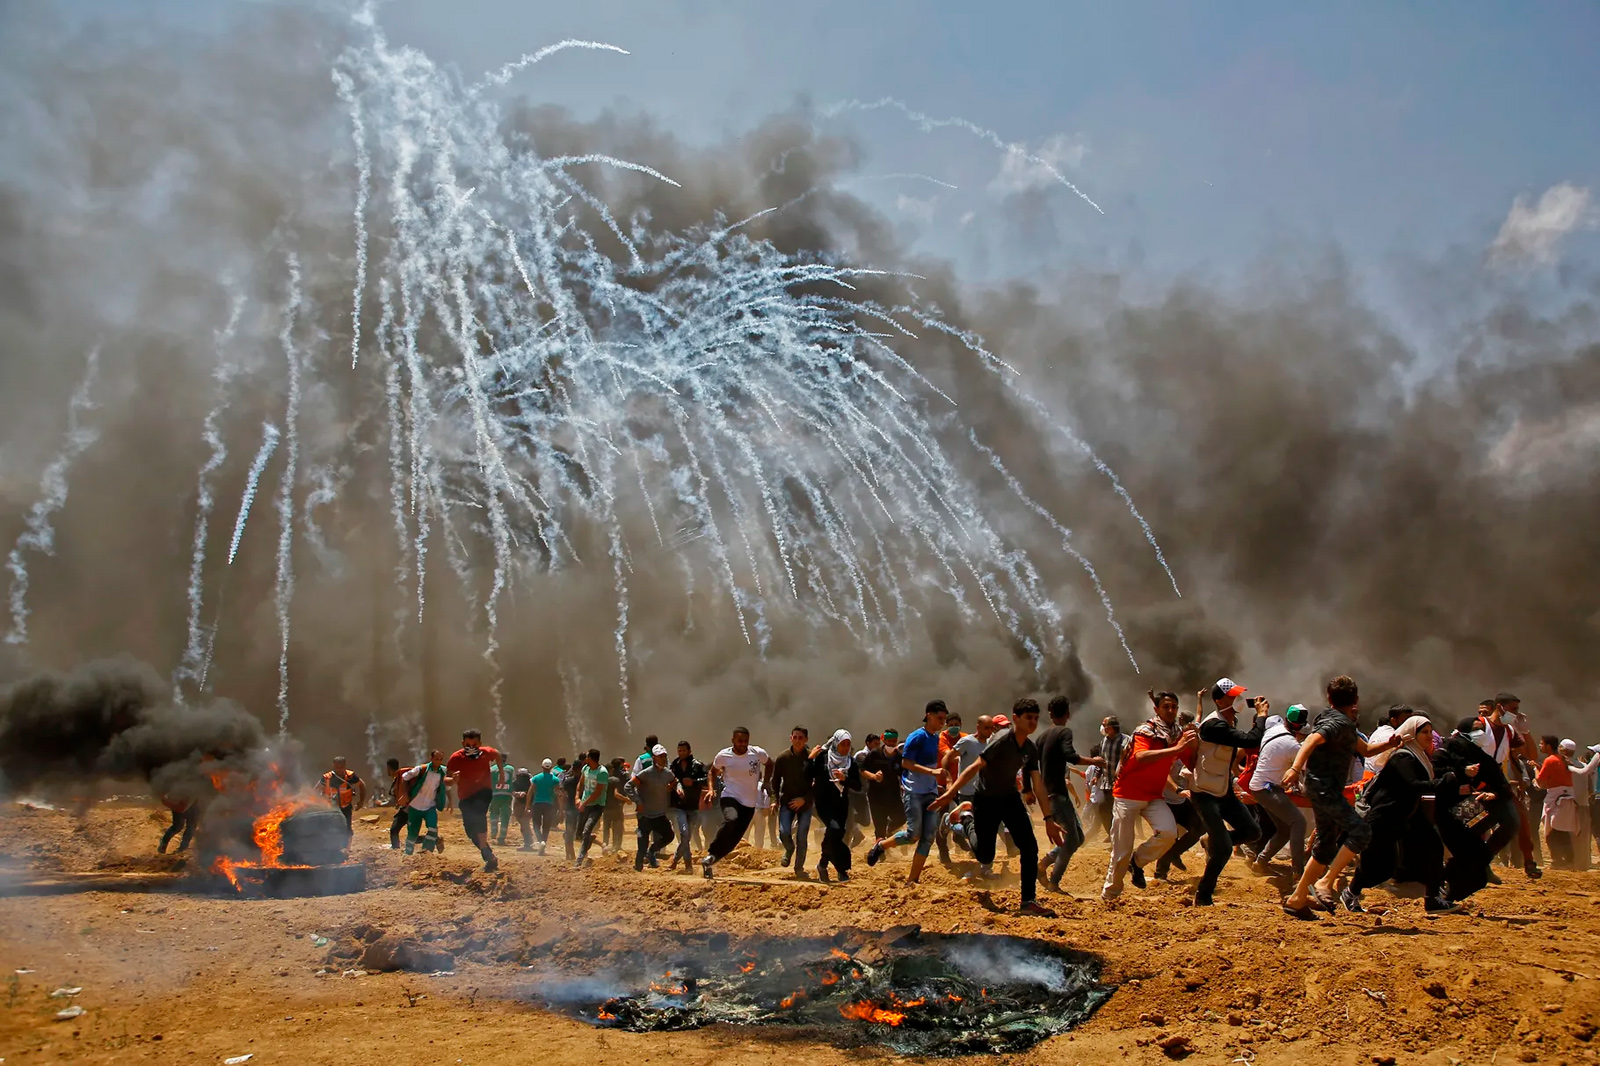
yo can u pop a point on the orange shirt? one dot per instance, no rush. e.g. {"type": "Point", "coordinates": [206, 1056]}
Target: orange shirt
{"type": "Point", "coordinates": [1148, 780]}
{"type": "Point", "coordinates": [1553, 773]}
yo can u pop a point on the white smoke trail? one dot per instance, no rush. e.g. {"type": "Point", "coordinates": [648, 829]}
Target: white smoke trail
{"type": "Point", "coordinates": [927, 123]}
{"type": "Point", "coordinates": [189, 667]}
{"type": "Point", "coordinates": [358, 129]}
{"type": "Point", "coordinates": [283, 591]}
{"type": "Point", "coordinates": [269, 444]}
{"type": "Point", "coordinates": [39, 533]}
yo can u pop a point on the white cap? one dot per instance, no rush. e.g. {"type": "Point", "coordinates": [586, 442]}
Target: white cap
{"type": "Point", "coordinates": [1568, 746]}
{"type": "Point", "coordinates": [547, 764]}
{"type": "Point", "coordinates": [659, 749]}
{"type": "Point", "coordinates": [1595, 748]}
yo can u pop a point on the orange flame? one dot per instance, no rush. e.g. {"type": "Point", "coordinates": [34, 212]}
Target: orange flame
{"type": "Point", "coordinates": [606, 1016]}
{"type": "Point", "coordinates": [868, 1012]}
{"type": "Point", "coordinates": [955, 999]}
{"type": "Point", "coordinates": [266, 832]}
{"type": "Point", "coordinates": [830, 979]}
{"type": "Point", "coordinates": [792, 998]}
{"type": "Point", "coordinates": [747, 967]}
{"type": "Point", "coordinates": [836, 953]}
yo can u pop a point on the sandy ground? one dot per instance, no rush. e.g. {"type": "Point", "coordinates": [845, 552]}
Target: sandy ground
{"type": "Point", "coordinates": [172, 976]}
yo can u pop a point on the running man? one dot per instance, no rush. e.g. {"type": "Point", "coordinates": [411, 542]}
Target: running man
{"type": "Point", "coordinates": [919, 785]}
{"type": "Point", "coordinates": [541, 798]}
{"type": "Point", "coordinates": [472, 772]}
{"type": "Point", "coordinates": [792, 795]}
{"type": "Point", "coordinates": [1008, 758]}
{"type": "Point", "coordinates": [741, 772]}
{"type": "Point", "coordinates": [502, 778]}
{"type": "Point", "coordinates": [521, 786]}
{"type": "Point", "coordinates": [653, 789]}
{"type": "Point", "coordinates": [691, 774]}
{"type": "Point", "coordinates": [425, 794]}
{"type": "Point", "coordinates": [1323, 764]}
{"type": "Point", "coordinates": [594, 789]}
{"type": "Point", "coordinates": [1056, 753]}
{"type": "Point", "coordinates": [397, 796]}
{"type": "Point", "coordinates": [1136, 792]}
{"type": "Point", "coordinates": [345, 791]}
{"type": "Point", "coordinates": [1227, 820]}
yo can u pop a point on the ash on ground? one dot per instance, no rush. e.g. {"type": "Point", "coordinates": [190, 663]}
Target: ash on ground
{"type": "Point", "coordinates": [916, 994]}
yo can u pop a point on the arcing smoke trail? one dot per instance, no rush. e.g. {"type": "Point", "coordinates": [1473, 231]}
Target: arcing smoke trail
{"type": "Point", "coordinates": [39, 534]}
{"type": "Point", "coordinates": [269, 444]}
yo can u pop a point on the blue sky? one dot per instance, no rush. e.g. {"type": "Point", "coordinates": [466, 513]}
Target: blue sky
{"type": "Point", "coordinates": [1206, 132]}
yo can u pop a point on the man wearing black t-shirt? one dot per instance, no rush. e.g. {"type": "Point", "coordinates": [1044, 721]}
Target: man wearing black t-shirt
{"type": "Point", "coordinates": [1324, 766]}
{"type": "Point", "coordinates": [570, 778]}
{"type": "Point", "coordinates": [1056, 753]}
{"type": "Point", "coordinates": [880, 770]}
{"type": "Point", "coordinates": [998, 801]}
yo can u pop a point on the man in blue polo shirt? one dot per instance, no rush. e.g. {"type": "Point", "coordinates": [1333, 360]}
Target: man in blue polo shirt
{"type": "Point", "coordinates": [919, 785]}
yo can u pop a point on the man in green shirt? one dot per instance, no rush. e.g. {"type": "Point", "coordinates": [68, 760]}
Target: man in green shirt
{"type": "Point", "coordinates": [542, 803]}
{"type": "Point", "coordinates": [501, 776]}
{"type": "Point", "coordinates": [594, 784]}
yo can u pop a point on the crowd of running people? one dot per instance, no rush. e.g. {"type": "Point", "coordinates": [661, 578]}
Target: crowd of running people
{"type": "Point", "coordinates": [1407, 800]}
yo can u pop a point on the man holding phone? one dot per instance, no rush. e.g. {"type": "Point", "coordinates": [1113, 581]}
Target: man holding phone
{"type": "Point", "coordinates": [1227, 820]}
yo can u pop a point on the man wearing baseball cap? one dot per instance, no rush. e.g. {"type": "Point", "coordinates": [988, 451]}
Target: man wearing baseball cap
{"type": "Point", "coordinates": [541, 797]}
{"type": "Point", "coordinates": [653, 789]}
{"type": "Point", "coordinates": [1227, 820]}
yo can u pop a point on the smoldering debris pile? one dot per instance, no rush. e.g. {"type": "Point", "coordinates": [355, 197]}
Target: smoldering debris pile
{"type": "Point", "coordinates": [916, 994]}
{"type": "Point", "coordinates": [116, 719]}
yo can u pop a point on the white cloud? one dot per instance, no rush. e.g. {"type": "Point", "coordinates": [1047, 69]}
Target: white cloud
{"type": "Point", "coordinates": [1533, 233]}
{"type": "Point", "coordinates": [921, 209]}
{"type": "Point", "coordinates": [1022, 170]}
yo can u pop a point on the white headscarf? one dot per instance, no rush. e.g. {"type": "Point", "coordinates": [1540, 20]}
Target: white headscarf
{"type": "Point", "coordinates": [837, 762]}
{"type": "Point", "coordinates": [1408, 730]}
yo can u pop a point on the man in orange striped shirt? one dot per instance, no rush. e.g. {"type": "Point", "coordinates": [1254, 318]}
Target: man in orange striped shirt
{"type": "Point", "coordinates": [1140, 782]}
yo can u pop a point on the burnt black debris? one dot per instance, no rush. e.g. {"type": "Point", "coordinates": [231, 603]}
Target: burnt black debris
{"type": "Point", "coordinates": [917, 994]}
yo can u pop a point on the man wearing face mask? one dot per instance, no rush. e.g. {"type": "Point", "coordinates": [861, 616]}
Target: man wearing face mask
{"type": "Point", "coordinates": [471, 770]}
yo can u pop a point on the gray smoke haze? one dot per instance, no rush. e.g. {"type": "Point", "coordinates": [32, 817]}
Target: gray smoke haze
{"type": "Point", "coordinates": [1326, 506]}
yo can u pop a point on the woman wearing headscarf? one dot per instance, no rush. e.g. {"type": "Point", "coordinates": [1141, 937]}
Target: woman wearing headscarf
{"type": "Point", "coordinates": [834, 775]}
{"type": "Point", "coordinates": [1560, 818]}
{"type": "Point", "coordinates": [1398, 819]}
{"type": "Point", "coordinates": [1464, 819]}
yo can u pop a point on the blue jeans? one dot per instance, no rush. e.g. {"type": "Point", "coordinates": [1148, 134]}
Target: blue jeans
{"type": "Point", "coordinates": [686, 822]}
{"type": "Point", "coordinates": [794, 831]}
{"type": "Point", "coordinates": [922, 821]}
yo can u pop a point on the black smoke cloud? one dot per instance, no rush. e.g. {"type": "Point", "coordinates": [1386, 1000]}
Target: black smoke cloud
{"type": "Point", "coordinates": [1328, 503]}
{"type": "Point", "coordinates": [114, 718]}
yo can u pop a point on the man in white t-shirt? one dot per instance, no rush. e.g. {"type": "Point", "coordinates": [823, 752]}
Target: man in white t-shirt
{"type": "Point", "coordinates": [1386, 729]}
{"type": "Point", "coordinates": [740, 773]}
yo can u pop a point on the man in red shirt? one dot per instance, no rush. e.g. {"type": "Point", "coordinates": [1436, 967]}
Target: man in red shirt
{"type": "Point", "coordinates": [1137, 790]}
{"type": "Point", "coordinates": [470, 770]}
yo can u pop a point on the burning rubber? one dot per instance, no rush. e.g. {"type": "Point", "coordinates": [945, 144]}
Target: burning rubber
{"type": "Point", "coordinates": [915, 993]}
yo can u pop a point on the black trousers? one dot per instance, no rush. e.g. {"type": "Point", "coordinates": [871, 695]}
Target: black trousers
{"type": "Point", "coordinates": [888, 813]}
{"type": "Point", "coordinates": [653, 827]}
{"type": "Point", "coordinates": [735, 820]}
{"type": "Point", "coordinates": [1468, 867]}
{"type": "Point", "coordinates": [1227, 822]}
{"type": "Point", "coordinates": [989, 813]}
{"type": "Point", "coordinates": [1191, 830]}
{"type": "Point", "coordinates": [397, 823]}
{"type": "Point", "coordinates": [183, 820]}
{"type": "Point", "coordinates": [835, 847]}
{"type": "Point", "coordinates": [1424, 853]}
